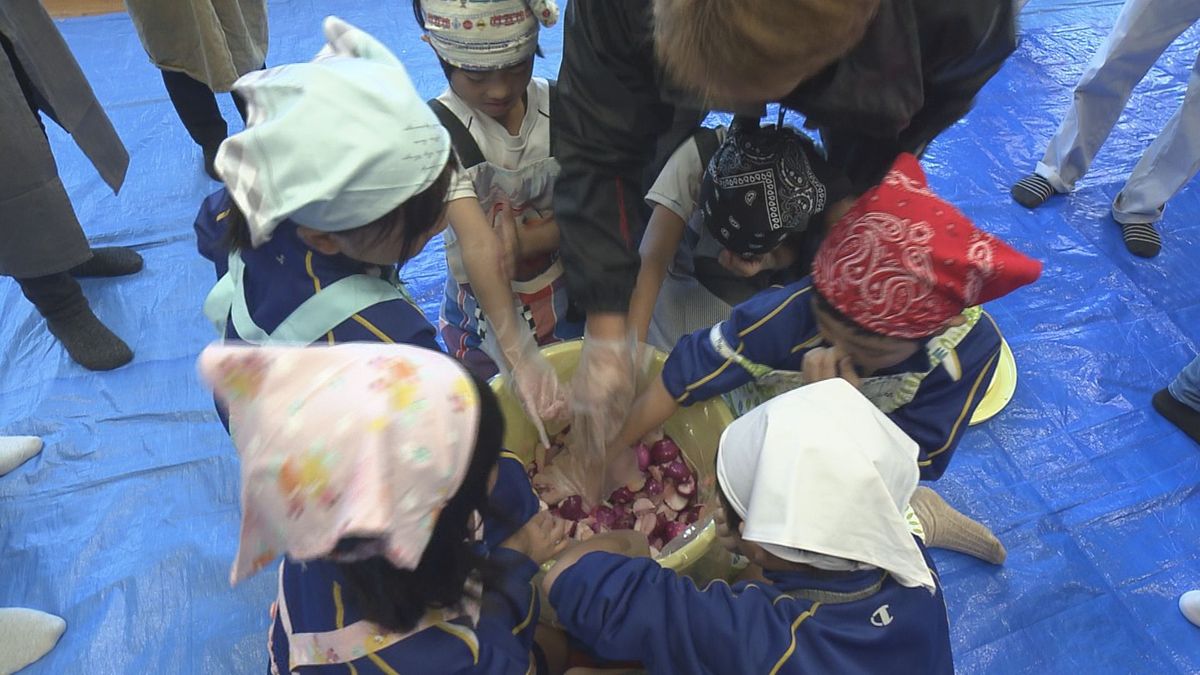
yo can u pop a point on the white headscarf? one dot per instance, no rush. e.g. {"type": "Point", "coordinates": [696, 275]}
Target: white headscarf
{"type": "Point", "coordinates": [488, 35]}
{"type": "Point", "coordinates": [822, 477]}
{"type": "Point", "coordinates": [334, 144]}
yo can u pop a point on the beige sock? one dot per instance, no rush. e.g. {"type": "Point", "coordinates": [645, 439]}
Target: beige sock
{"type": "Point", "coordinates": [15, 450]}
{"type": "Point", "coordinates": [26, 635]}
{"type": "Point", "coordinates": [949, 529]}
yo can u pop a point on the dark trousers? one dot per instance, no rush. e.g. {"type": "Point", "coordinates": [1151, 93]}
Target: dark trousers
{"type": "Point", "coordinates": [196, 105]}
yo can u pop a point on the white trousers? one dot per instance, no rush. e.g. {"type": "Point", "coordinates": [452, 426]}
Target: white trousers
{"type": "Point", "coordinates": [1144, 30]}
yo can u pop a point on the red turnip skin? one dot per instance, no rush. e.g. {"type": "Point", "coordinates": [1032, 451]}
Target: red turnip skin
{"type": "Point", "coordinates": [664, 451]}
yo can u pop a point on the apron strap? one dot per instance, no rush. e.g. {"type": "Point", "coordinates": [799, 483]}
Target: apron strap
{"type": "Point", "coordinates": [333, 305]}
{"type": "Point", "coordinates": [315, 317]}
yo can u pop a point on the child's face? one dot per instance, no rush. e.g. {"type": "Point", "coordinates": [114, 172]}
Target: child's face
{"type": "Point", "coordinates": [494, 92]}
{"type": "Point", "coordinates": [869, 352]}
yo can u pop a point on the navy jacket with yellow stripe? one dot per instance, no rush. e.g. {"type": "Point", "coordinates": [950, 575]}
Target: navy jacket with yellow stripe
{"type": "Point", "coordinates": [777, 327]}
{"type": "Point", "coordinates": [630, 609]}
{"type": "Point", "coordinates": [284, 272]}
{"type": "Point", "coordinates": [499, 643]}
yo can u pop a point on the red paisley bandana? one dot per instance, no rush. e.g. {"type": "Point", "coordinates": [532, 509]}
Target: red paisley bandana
{"type": "Point", "coordinates": [903, 261]}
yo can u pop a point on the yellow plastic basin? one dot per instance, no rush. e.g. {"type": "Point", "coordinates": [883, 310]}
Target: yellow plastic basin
{"type": "Point", "coordinates": [697, 430]}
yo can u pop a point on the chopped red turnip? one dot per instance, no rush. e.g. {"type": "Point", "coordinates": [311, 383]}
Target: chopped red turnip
{"type": "Point", "coordinates": [693, 513]}
{"type": "Point", "coordinates": [583, 532]}
{"type": "Point", "coordinates": [677, 471]}
{"type": "Point", "coordinates": [653, 487]}
{"type": "Point", "coordinates": [687, 488]}
{"type": "Point", "coordinates": [664, 451]}
{"type": "Point", "coordinates": [643, 456]}
{"type": "Point", "coordinates": [621, 495]}
{"type": "Point", "coordinates": [637, 484]}
{"type": "Point", "coordinates": [642, 505]}
{"type": "Point", "coordinates": [675, 500]}
{"type": "Point", "coordinates": [646, 524]}
{"type": "Point", "coordinates": [656, 473]}
{"type": "Point", "coordinates": [673, 530]}
{"type": "Point", "coordinates": [604, 516]}
{"type": "Point", "coordinates": [571, 508]}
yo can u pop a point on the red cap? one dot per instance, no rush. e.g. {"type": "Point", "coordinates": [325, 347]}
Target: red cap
{"type": "Point", "coordinates": [902, 262]}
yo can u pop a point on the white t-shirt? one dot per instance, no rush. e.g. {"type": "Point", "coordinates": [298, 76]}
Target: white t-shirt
{"type": "Point", "coordinates": [678, 189]}
{"type": "Point", "coordinates": [495, 143]}
{"type": "Point", "coordinates": [517, 170]}
{"type": "Point", "coordinates": [678, 185]}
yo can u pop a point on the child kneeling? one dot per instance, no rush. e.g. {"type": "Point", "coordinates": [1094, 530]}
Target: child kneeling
{"type": "Point", "coordinates": [813, 486]}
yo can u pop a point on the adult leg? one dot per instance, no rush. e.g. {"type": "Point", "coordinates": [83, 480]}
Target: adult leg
{"type": "Point", "coordinates": [1167, 165]}
{"type": "Point", "coordinates": [1144, 29]}
{"type": "Point", "coordinates": [90, 343]}
{"type": "Point", "coordinates": [197, 108]}
{"type": "Point", "coordinates": [1180, 401]}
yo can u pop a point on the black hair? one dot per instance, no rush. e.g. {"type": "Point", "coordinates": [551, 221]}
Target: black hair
{"type": "Point", "coordinates": [396, 599]}
{"type": "Point", "coordinates": [446, 67]}
{"type": "Point", "coordinates": [416, 216]}
{"type": "Point", "coordinates": [833, 313]}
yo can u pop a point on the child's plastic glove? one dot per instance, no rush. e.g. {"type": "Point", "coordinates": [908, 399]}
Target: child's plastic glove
{"type": "Point", "coordinates": [530, 376]}
{"type": "Point", "coordinates": [537, 387]}
{"type": "Point", "coordinates": [602, 393]}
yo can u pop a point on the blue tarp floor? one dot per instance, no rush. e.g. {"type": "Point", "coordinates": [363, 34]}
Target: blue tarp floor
{"type": "Point", "coordinates": [126, 524]}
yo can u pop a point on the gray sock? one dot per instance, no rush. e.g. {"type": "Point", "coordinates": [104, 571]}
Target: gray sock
{"type": "Point", "coordinates": [26, 635]}
{"type": "Point", "coordinates": [16, 450]}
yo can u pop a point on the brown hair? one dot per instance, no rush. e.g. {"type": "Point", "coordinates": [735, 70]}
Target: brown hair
{"type": "Point", "coordinates": [700, 42]}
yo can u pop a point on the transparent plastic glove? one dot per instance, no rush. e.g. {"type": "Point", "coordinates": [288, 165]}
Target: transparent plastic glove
{"type": "Point", "coordinates": [530, 376]}
{"type": "Point", "coordinates": [602, 392]}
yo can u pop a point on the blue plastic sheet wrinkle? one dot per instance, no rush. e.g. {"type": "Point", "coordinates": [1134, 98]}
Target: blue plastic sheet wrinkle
{"type": "Point", "coordinates": [128, 521]}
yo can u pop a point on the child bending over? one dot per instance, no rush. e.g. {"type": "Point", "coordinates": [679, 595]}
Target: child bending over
{"type": "Point", "coordinates": [368, 467]}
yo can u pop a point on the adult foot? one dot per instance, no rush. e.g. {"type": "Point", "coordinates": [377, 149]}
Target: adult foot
{"type": "Point", "coordinates": [1181, 415]}
{"type": "Point", "coordinates": [1141, 239]}
{"type": "Point", "coordinates": [26, 635]}
{"type": "Point", "coordinates": [89, 342]}
{"type": "Point", "coordinates": [114, 261]}
{"type": "Point", "coordinates": [16, 450]}
{"type": "Point", "coordinates": [1032, 191]}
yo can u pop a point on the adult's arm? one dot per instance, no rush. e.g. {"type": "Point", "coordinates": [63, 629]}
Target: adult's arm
{"type": "Point", "coordinates": [606, 124]}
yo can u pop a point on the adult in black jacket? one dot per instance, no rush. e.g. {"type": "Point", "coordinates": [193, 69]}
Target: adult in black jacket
{"type": "Point", "coordinates": [875, 77]}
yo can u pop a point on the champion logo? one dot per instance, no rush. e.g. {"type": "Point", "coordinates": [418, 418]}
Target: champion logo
{"type": "Point", "coordinates": [881, 617]}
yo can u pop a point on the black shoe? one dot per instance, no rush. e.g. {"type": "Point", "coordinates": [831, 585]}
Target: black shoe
{"type": "Point", "coordinates": [89, 342]}
{"type": "Point", "coordinates": [210, 158]}
{"type": "Point", "coordinates": [113, 261]}
{"type": "Point", "coordinates": [1141, 239]}
{"type": "Point", "coordinates": [1032, 191]}
{"type": "Point", "coordinates": [1183, 416]}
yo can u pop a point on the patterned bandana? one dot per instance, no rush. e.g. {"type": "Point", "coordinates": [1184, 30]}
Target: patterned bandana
{"type": "Point", "coordinates": [486, 34]}
{"type": "Point", "coordinates": [759, 188]}
{"type": "Point", "coordinates": [358, 440]}
{"type": "Point", "coordinates": [333, 144]}
{"type": "Point", "coordinates": [902, 262]}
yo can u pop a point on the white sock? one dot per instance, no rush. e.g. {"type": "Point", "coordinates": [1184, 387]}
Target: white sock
{"type": "Point", "coordinates": [15, 450]}
{"type": "Point", "coordinates": [1189, 604]}
{"type": "Point", "coordinates": [26, 635]}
